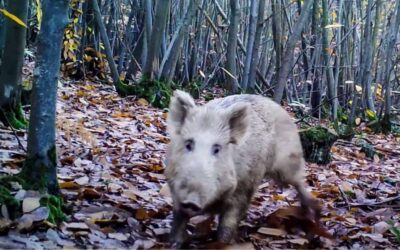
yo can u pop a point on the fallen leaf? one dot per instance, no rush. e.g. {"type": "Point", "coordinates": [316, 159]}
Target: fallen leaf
{"type": "Point", "coordinates": [77, 226]}
{"type": "Point", "coordinates": [118, 236]}
{"type": "Point", "coordinates": [55, 237]}
{"type": "Point", "coordinates": [271, 231]}
{"type": "Point", "coordinates": [82, 180]}
{"type": "Point", "coordinates": [380, 227]}
{"type": "Point", "coordinates": [299, 241]}
{"type": "Point", "coordinates": [142, 102]}
{"type": "Point", "coordinates": [30, 203]}
{"type": "Point", "coordinates": [69, 185]}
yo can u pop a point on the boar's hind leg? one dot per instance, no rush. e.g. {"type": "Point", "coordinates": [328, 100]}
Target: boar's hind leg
{"type": "Point", "coordinates": [229, 221]}
{"type": "Point", "coordinates": [178, 231]}
{"type": "Point", "coordinates": [309, 204]}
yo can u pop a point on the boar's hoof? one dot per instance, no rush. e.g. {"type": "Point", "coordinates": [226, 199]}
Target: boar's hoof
{"type": "Point", "coordinates": [177, 245]}
{"type": "Point", "coordinates": [190, 209]}
{"type": "Point", "coordinates": [225, 234]}
{"type": "Point", "coordinates": [312, 210]}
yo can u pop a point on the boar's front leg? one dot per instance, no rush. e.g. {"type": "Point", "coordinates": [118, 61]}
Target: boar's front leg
{"type": "Point", "coordinates": [229, 221]}
{"type": "Point", "coordinates": [178, 234]}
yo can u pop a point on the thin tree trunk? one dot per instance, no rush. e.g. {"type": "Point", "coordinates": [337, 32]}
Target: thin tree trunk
{"type": "Point", "coordinates": [162, 10]}
{"type": "Point", "coordinates": [289, 50]}
{"type": "Point", "coordinates": [41, 163]}
{"type": "Point", "coordinates": [11, 67]}
{"type": "Point", "coordinates": [390, 41]}
{"type": "Point", "coordinates": [250, 43]}
{"type": "Point", "coordinates": [232, 82]}
{"type": "Point", "coordinates": [107, 46]}
{"type": "Point", "coordinates": [168, 64]}
{"type": "Point", "coordinates": [256, 47]}
{"type": "Point", "coordinates": [326, 54]}
{"type": "Point", "coordinates": [366, 62]}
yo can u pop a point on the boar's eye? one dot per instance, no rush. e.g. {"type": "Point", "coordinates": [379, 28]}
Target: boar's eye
{"type": "Point", "coordinates": [189, 145]}
{"type": "Point", "coordinates": [215, 149]}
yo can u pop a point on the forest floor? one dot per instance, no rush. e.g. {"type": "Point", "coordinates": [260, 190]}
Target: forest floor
{"type": "Point", "coordinates": [111, 152]}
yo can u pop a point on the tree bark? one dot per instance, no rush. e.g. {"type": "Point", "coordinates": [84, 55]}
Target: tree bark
{"type": "Point", "coordinates": [390, 44]}
{"type": "Point", "coordinates": [250, 43]}
{"type": "Point", "coordinates": [107, 46]}
{"type": "Point", "coordinates": [256, 47]}
{"type": "Point", "coordinates": [162, 10]}
{"type": "Point", "coordinates": [366, 61]}
{"type": "Point", "coordinates": [11, 67]}
{"type": "Point", "coordinates": [168, 64]}
{"type": "Point", "coordinates": [328, 69]}
{"type": "Point", "coordinates": [40, 168]}
{"type": "Point", "coordinates": [231, 79]}
{"type": "Point", "coordinates": [289, 50]}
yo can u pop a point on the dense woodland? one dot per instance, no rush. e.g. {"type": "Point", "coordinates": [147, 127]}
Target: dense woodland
{"type": "Point", "coordinates": [84, 91]}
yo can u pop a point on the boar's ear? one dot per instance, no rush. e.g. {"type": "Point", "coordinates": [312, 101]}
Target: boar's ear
{"type": "Point", "coordinates": [179, 107]}
{"type": "Point", "coordinates": [238, 121]}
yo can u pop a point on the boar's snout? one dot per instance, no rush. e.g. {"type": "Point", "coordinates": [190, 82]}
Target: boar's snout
{"type": "Point", "coordinates": [191, 209]}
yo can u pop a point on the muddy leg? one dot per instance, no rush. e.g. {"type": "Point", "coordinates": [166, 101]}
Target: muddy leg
{"type": "Point", "coordinates": [178, 231]}
{"type": "Point", "coordinates": [229, 221]}
{"type": "Point", "coordinates": [309, 204]}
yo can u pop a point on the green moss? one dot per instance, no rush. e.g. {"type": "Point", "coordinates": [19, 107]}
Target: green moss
{"type": "Point", "coordinates": [19, 114]}
{"type": "Point", "coordinates": [14, 117]}
{"type": "Point", "coordinates": [38, 173]}
{"type": "Point", "coordinates": [157, 93]}
{"type": "Point", "coordinates": [6, 198]}
{"type": "Point", "coordinates": [317, 143]}
{"type": "Point", "coordinates": [194, 89]}
{"type": "Point", "coordinates": [55, 205]}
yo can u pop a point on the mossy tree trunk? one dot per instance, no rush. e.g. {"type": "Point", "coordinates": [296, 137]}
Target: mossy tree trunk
{"type": "Point", "coordinates": [11, 67]}
{"type": "Point", "coordinates": [317, 143]}
{"type": "Point", "coordinates": [40, 167]}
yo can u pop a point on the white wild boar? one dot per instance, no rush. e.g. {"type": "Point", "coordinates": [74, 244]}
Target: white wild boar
{"type": "Point", "coordinates": [220, 152]}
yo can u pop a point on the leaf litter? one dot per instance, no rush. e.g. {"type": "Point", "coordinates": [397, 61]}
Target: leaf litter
{"type": "Point", "coordinates": [111, 161]}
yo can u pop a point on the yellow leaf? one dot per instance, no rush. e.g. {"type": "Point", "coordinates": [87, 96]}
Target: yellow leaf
{"type": "Point", "coordinates": [334, 25]}
{"type": "Point", "coordinates": [370, 113]}
{"type": "Point", "coordinates": [228, 73]}
{"type": "Point", "coordinates": [13, 17]}
{"type": "Point", "coordinates": [39, 13]}
{"type": "Point", "coordinates": [379, 90]}
{"type": "Point", "coordinates": [333, 14]}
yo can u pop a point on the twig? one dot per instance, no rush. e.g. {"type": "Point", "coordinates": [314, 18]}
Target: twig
{"type": "Point", "coordinates": [379, 203]}
{"type": "Point", "coordinates": [344, 197]}
{"type": "Point", "coordinates": [13, 130]}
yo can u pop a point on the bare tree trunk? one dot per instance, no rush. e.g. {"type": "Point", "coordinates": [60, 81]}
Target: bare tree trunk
{"type": "Point", "coordinates": [40, 168]}
{"type": "Point", "coordinates": [289, 50]}
{"type": "Point", "coordinates": [11, 67]}
{"type": "Point", "coordinates": [232, 82]}
{"type": "Point", "coordinates": [256, 47]}
{"type": "Point", "coordinates": [250, 43]}
{"type": "Point", "coordinates": [168, 64]}
{"type": "Point", "coordinates": [326, 53]}
{"type": "Point", "coordinates": [388, 64]}
{"type": "Point", "coordinates": [162, 10]}
{"type": "Point", "coordinates": [107, 46]}
{"type": "Point", "coordinates": [277, 34]}
{"type": "Point", "coordinates": [366, 59]}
